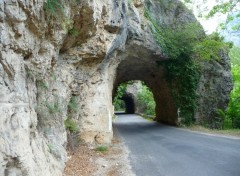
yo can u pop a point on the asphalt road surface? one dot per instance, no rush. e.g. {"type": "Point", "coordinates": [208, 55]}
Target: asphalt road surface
{"type": "Point", "coordinates": [159, 150]}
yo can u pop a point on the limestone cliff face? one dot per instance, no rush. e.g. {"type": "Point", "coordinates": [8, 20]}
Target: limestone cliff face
{"type": "Point", "coordinates": [83, 51]}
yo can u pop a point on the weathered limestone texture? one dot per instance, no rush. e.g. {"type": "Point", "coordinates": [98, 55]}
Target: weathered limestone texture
{"type": "Point", "coordinates": [83, 49]}
{"type": "Point", "coordinates": [213, 91]}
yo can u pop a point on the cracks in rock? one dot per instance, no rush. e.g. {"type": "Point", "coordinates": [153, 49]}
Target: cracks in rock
{"type": "Point", "coordinates": [32, 25]}
{"type": "Point", "coordinates": [83, 27]}
{"type": "Point", "coordinates": [13, 167]}
{"type": "Point", "coordinates": [7, 68]}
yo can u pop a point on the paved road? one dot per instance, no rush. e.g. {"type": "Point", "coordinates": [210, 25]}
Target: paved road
{"type": "Point", "coordinates": [159, 150]}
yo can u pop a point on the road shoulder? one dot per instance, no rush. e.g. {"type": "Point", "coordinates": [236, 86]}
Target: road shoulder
{"type": "Point", "coordinates": [87, 161]}
{"type": "Point", "coordinates": [209, 132]}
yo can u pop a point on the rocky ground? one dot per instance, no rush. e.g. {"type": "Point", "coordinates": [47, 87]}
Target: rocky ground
{"type": "Point", "coordinates": [87, 161]}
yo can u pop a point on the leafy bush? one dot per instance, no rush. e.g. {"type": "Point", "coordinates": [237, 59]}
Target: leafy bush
{"type": "Point", "coordinates": [101, 148]}
{"type": "Point", "coordinates": [119, 104]}
{"type": "Point", "coordinates": [234, 55]}
{"type": "Point", "coordinates": [233, 110]}
{"type": "Point", "coordinates": [231, 9]}
{"type": "Point", "coordinates": [72, 108]}
{"type": "Point", "coordinates": [209, 47]}
{"type": "Point", "coordinates": [185, 45]}
{"type": "Point", "coordinates": [71, 125]}
{"type": "Point", "coordinates": [73, 32]}
{"type": "Point", "coordinates": [51, 147]}
{"type": "Point", "coordinates": [146, 100]}
{"type": "Point", "coordinates": [73, 105]}
{"type": "Point", "coordinates": [54, 8]}
{"type": "Point", "coordinates": [232, 114]}
{"type": "Point", "coordinates": [53, 107]}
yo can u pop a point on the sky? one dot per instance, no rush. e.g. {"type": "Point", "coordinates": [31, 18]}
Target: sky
{"type": "Point", "coordinates": [201, 8]}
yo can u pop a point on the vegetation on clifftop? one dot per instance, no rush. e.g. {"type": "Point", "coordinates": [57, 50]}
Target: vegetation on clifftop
{"type": "Point", "coordinates": [185, 46]}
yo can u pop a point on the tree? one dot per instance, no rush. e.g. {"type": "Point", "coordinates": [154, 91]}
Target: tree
{"type": "Point", "coordinates": [231, 8]}
{"type": "Point", "coordinates": [146, 100]}
{"type": "Point", "coordinates": [233, 110]}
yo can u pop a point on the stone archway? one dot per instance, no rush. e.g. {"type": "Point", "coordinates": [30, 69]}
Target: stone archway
{"type": "Point", "coordinates": [143, 66]}
{"type": "Point", "coordinates": [99, 44]}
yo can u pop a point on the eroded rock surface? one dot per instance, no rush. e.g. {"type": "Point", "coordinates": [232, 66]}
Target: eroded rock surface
{"type": "Point", "coordinates": [83, 51]}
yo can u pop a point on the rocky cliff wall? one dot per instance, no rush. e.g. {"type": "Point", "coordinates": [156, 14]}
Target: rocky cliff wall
{"type": "Point", "coordinates": [77, 50]}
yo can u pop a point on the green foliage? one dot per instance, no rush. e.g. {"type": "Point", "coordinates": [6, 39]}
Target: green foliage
{"type": "Point", "coordinates": [119, 104]}
{"type": "Point", "coordinates": [101, 148]}
{"type": "Point", "coordinates": [185, 45]}
{"type": "Point", "coordinates": [231, 8]}
{"type": "Point", "coordinates": [187, 1]}
{"type": "Point", "coordinates": [47, 111]}
{"type": "Point", "coordinates": [183, 76]}
{"type": "Point", "coordinates": [50, 148]}
{"type": "Point", "coordinates": [73, 32]}
{"type": "Point", "coordinates": [72, 108]}
{"type": "Point", "coordinates": [129, 2]}
{"type": "Point", "coordinates": [181, 40]}
{"type": "Point", "coordinates": [220, 8]}
{"type": "Point", "coordinates": [209, 47]}
{"type": "Point", "coordinates": [157, 31]}
{"type": "Point", "coordinates": [145, 99]}
{"type": "Point", "coordinates": [183, 73]}
{"type": "Point", "coordinates": [222, 118]}
{"type": "Point", "coordinates": [147, 117]}
{"type": "Point", "coordinates": [54, 8]}
{"type": "Point", "coordinates": [231, 116]}
{"type": "Point", "coordinates": [121, 90]}
{"type": "Point", "coordinates": [42, 84]}
{"type": "Point", "coordinates": [234, 55]}
{"type": "Point", "coordinates": [71, 125]}
{"type": "Point", "coordinates": [177, 40]}
{"type": "Point", "coordinates": [54, 107]}
{"type": "Point", "coordinates": [73, 105]}
{"type": "Point", "coordinates": [29, 73]}
{"type": "Point", "coordinates": [233, 110]}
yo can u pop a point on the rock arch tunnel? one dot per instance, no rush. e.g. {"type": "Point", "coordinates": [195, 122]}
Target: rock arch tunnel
{"type": "Point", "coordinates": [47, 66]}
{"type": "Point", "coordinates": [143, 66]}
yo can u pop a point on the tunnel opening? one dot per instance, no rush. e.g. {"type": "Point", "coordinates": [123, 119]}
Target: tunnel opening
{"type": "Point", "coordinates": [144, 65]}
{"type": "Point", "coordinates": [134, 97]}
{"type": "Point", "coordinates": [129, 103]}
{"type": "Point", "coordinates": [123, 100]}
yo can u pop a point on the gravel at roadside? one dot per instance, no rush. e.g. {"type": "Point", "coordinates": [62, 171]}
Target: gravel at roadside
{"type": "Point", "coordinates": [86, 161]}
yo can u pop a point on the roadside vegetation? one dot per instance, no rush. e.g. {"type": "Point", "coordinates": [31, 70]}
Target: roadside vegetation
{"type": "Point", "coordinates": [231, 116]}
{"type": "Point", "coordinates": [144, 99]}
{"type": "Point", "coordinates": [187, 47]}
{"type": "Point", "coordinates": [118, 103]}
{"type": "Point", "coordinates": [101, 149]}
{"type": "Point", "coordinates": [224, 132]}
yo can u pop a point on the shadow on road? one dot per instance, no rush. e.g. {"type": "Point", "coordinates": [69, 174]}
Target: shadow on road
{"type": "Point", "coordinates": [131, 123]}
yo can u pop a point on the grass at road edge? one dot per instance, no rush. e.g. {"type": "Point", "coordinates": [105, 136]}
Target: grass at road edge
{"type": "Point", "coordinates": [228, 132]}
{"type": "Point", "coordinates": [147, 117]}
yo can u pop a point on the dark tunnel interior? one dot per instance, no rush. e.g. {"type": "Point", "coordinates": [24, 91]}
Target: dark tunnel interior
{"type": "Point", "coordinates": [129, 104]}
